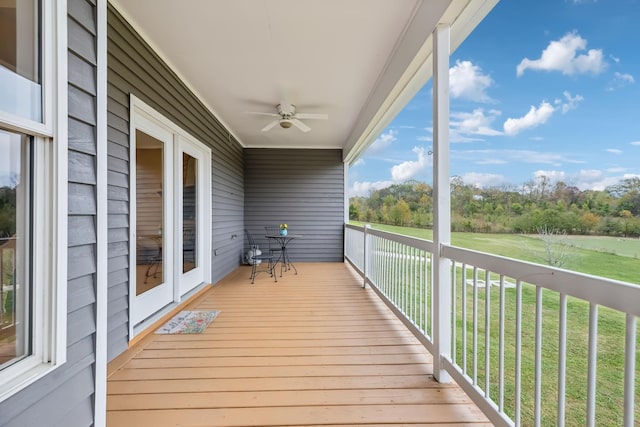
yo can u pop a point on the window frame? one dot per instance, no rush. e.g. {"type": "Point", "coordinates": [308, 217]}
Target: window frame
{"type": "Point", "coordinates": [49, 207]}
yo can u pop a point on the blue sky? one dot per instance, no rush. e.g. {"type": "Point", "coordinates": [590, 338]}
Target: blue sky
{"type": "Point", "coordinates": [539, 88]}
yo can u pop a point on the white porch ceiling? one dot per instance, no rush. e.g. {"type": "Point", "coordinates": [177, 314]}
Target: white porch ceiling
{"type": "Point", "coordinates": [359, 61]}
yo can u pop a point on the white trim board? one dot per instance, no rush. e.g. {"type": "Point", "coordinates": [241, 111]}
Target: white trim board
{"type": "Point", "coordinates": [102, 251]}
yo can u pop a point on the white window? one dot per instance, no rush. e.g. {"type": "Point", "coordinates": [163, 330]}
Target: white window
{"type": "Point", "coordinates": [32, 191]}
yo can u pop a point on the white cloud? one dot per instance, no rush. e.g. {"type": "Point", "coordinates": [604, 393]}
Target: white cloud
{"type": "Point", "coordinates": [471, 127]}
{"type": "Point", "coordinates": [613, 151]}
{"type": "Point", "coordinates": [359, 162]}
{"type": "Point", "coordinates": [467, 81]}
{"type": "Point", "coordinates": [585, 179]}
{"type": "Point", "coordinates": [491, 162]}
{"type": "Point", "coordinates": [636, 143]}
{"type": "Point", "coordinates": [513, 156]}
{"type": "Point", "coordinates": [627, 78]}
{"type": "Point", "coordinates": [533, 118]}
{"type": "Point", "coordinates": [617, 170]}
{"type": "Point", "coordinates": [483, 180]}
{"type": "Point", "coordinates": [571, 102]}
{"type": "Point", "coordinates": [365, 188]}
{"type": "Point", "coordinates": [562, 55]}
{"type": "Point", "coordinates": [399, 173]}
{"type": "Point", "coordinates": [407, 170]}
{"type": "Point", "coordinates": [594, 180]}
{"type": "Point", "coordinates": [620, 81]}
{"type": "Point", "coordinates": [383, 141]}
{"type": "Point", "coordinates": [554, 176]}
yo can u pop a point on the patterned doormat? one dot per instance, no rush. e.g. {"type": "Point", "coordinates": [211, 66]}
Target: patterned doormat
{"type": "Point", "coordinates": [188, 322]}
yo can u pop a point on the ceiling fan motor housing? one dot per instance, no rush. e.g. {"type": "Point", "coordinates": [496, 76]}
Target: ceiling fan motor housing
{"type": "Point", "coordinates": [286, 110]}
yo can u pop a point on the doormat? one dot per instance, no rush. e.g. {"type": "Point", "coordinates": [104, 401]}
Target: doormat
{"type": "Point", "coordinates": [188, 322]}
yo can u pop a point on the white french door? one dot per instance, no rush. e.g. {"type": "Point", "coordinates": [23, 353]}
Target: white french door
{"type": "Point", "coordinates": [194, 165]}
{"type": "Point", "coordinates": [170, 214]}
{"type": "Point", "coordinates": [152, 219]}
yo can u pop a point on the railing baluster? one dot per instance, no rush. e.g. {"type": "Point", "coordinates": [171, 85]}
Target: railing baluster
{"type": "Point", "coordinates": [425, 284]}
{"type": "Point", "coordinates": [518, 370]}
{"type": "Point", "coordinates": [464, 318]}
{"type": "Point", "coordinates": [562, 360]}
{"type": "Point", "coordinates": [416, 272]}
{"type": "Point", "coordinates": [430, 287]}
{"type": "Point", "coordinates": [454, 311]}
{"type": "Point", "coordinates": [538, 359]}
{"type": "Point", "coordinates": [396, 269]}
{"type": "Point", "coordinates": [386, 281]}
{"type": "Point", "coordinates": [364, 257]}
{"type": "Point", "coordinates": [475, 325]}
{"type": "Point", "coordinates": [410, 289]}
{"type": "Point", "coordinates": [501, 347]}
{"type": "Point", "coordinates": [394, 282]}
{"type": "Point", "coordinates": [416, 275]}
{"type": "Point", "coordinates": [592, 365]}
{"type": "Point", "coordinates": [405, 282]}
{"type": "Point", "coordinates": [487, 332]}
{"type": "Point", "coordinates": [629, 370]}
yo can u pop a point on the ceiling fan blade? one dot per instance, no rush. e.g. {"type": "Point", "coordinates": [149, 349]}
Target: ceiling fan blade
{"type": "Point", "coordinates": [262, 114]}
{"type": "Point", "coordinates": [270, 125]}
{"type": "Point", "coordinates": [306, 116]}
{"type": "Point", "coordinates": [297, 123]}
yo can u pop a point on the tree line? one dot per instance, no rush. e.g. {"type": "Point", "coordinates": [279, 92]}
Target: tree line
{"type": "Point", "coordinates": [614, 211]}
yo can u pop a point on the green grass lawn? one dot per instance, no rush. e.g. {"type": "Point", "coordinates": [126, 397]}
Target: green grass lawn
{"type": "Point", "coordinates": [611, 326]}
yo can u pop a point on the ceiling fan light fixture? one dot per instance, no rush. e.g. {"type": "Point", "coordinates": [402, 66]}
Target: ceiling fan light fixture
{"type": "Point", "coordinates": [285, 123]}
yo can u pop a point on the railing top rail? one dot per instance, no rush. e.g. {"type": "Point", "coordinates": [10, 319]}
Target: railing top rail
{"type": "Point", "coordinates": [426, 245]}
{"type": "Point", "coordinates": [618, 295]}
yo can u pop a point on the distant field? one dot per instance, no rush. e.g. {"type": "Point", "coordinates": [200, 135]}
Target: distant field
{"type": "Point", "coordinates": [597, 255]}
{"type": "Point", "coordinates": [622, 246]}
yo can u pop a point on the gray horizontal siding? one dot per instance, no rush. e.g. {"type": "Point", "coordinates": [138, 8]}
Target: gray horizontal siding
{"type": "Point", "coordinates": [65, 396]}
{"type": "Point", "coordinates": [133, 68]}
{"type": "Point", "coordinates": [305, 189]}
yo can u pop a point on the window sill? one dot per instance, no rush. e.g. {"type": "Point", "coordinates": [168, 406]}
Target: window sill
{"type": "Point", "coordinates": [32, 371]}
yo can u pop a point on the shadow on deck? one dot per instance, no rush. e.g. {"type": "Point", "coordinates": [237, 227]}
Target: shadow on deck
{"type": "Point", "coordinates": [313, 349]}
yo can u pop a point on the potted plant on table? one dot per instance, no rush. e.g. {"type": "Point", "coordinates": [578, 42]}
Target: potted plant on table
{"type": "Point", "coordinates": [283, 229]}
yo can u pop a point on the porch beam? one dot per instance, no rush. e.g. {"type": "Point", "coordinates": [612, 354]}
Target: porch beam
{"type": "Point", "coordinates": [442, 203]}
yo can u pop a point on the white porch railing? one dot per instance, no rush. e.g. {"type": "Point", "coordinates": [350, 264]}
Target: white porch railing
{"type": "Point", "coordinates": [524, 337]}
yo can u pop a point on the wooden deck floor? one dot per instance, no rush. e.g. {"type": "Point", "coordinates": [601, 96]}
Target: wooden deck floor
{"type": "Point", "coordinates": [313, 349]}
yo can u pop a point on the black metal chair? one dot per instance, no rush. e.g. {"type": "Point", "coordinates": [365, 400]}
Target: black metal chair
{"type": "Point", "coordinates": [255, 259]}
{"type": "Point", "coordinates": [274, 247]}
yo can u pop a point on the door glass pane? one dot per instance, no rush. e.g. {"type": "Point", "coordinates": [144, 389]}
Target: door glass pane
{"type": "Point", "coordinates": [189, 212]}
{"type": "Point", "coordinates": [15, 312]}
{"type": "Point", "coordinates": [149, 212]}
{"type": "Point", "coordinates": [20, 58]}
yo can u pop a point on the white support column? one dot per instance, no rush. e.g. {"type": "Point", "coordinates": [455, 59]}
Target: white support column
{"type": "Point", "coordinates": [442, 202]}
{"type": "Point", "coordinates": [346, 192]}
{"type": "Point", "coordinates": [100, 395]}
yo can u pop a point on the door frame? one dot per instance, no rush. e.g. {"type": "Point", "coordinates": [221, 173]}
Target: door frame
{"type": "Point", "coordinates": [172, 201]}
{"type": "Point", "coordinates": [146, 304]}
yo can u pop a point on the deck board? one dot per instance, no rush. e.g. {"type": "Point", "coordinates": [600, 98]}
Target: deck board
{"type": "Point", "coordinates": [312, 349]}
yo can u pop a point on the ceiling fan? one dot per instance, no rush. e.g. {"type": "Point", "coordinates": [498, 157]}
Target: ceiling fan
{"type": "Point", "coordinates": [287, 117]}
